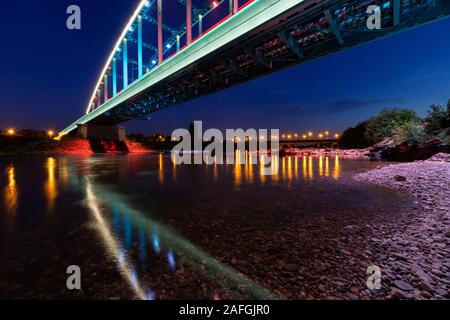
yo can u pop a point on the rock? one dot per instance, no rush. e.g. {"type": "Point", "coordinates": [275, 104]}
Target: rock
{"type": "Point", "coordinates": [291, 267]}
{"type": "Point", "coordinates": [424, 286]}
{"type": "Point", "coordinates": [442, 292]}
{"type": "Point", "coordinates": [351, 296]}
{"type": "Point", "coordinates": [403, 285]}
{"type": "Point", "coordinates": [440, 157]}
{"type": "Point", "coordinates": [354, 290]}
{"type": "Point", "coordinates": [398, 294]}
{"type": "Point", "coordinates": [399, 178]}
{"type": "Point", "coordinates": [418, 271]}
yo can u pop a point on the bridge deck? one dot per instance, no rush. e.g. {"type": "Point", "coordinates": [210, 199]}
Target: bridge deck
{"type": "Point", "coordinates": [263, 38]}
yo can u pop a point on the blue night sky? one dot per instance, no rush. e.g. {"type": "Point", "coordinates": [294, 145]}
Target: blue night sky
{"type": "Point", "coordinates": [47, 74]}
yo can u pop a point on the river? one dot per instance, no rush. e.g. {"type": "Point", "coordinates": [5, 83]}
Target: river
{"type": "Point", "coordinates": [141, 228]}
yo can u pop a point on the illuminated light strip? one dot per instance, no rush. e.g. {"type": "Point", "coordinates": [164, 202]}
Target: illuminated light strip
{"type": "Point", "coordinates": [113, 52]}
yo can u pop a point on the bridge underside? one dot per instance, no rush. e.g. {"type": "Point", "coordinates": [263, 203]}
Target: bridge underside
{"type": "Point", "coordinates": [310, 30]}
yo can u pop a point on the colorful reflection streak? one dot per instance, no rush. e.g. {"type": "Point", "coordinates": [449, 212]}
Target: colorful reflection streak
{"type": "Point", "coordinates": [205, 264]}
{"type": "Point", "coordinates": [122, 261]}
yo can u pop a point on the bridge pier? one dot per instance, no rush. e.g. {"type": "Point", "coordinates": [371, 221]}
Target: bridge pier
{"type": "Point", "coordinates": [97, 132]}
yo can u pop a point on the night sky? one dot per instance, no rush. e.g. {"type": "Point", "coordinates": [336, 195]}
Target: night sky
{"type": "Point", "coordinates": [47, 74]}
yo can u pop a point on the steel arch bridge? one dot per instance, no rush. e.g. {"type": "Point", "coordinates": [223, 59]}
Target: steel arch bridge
{"type": "Point", "coordinates": [221, 43]}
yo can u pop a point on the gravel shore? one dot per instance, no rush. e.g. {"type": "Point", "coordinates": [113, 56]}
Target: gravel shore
{"type": "Point", "coordinates": [417, 264]}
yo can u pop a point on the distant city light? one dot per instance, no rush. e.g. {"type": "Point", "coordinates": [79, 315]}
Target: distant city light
{"type": "Point", "coordinates": [51, 133]}
{"type": "Point", "coordinates": [215, 4]}
{"type": "Point", "coordinates": [310, 134]}
{"type": "Point", "coordinates": [304, 136]}
{"type": "Point", "coordinates": [320, 135]}
{"type": "Point", "coordinates": [336, 136]}
{"type": "Point", "coordinates": [11, 131]}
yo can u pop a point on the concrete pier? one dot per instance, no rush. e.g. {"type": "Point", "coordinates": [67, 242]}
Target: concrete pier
{"type": "Point", "coordinates": [97, 132]}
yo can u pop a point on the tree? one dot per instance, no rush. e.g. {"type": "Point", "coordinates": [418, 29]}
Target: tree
{"type": "Point", "coordinates": [383, 124]}
{"type": "Point", "coordinates": [354, 138]}
{"type": "Point", "coordinates": [436, 119]}
{"type": "Point", "coordinates": [447, 118]}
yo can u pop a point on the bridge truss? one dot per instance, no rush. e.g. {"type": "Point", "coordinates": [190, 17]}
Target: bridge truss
{"type": "Point", "coordinates": [228, 42]}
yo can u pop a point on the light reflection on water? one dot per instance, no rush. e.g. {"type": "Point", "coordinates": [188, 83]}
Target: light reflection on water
{"type": "Point", "coordinates": [51, 187]}
{"type": "Point", "coordinates": [57, 172]}
{"type": "Point", "coordinates": [11, 191]}
{"type": "Point", "coordinates": [173, 244]}
{"type": "Point", "coordinates": [119, 223]}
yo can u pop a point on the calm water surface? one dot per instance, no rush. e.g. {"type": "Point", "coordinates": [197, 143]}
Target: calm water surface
{"type": "Point", "coordinates": [139, 227]}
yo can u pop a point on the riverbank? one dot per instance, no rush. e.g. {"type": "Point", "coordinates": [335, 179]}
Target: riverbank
{"type": "Point", "coordinates": [32, 145]}
{"type": "Point", "coordinates": [416, 250]}
{"type": "Point", "coordinates": [351, 154]}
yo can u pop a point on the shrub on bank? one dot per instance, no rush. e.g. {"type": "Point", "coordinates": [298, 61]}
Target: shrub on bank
{"type": "Point", "coordinates": [26, 144]}
{"type": "Point", "coordinates": [390, 121]}
{"type": "Point", "coordinates": [403, 125]}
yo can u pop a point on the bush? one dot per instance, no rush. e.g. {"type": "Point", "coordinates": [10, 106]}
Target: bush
{"type": "Point", "coordinates": [411, 134]}
{"type": "Point", "coordinates": [389, 120]}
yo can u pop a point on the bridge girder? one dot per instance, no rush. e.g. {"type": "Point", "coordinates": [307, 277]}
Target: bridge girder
{"type": "Point", "coordinates": [307, 32]}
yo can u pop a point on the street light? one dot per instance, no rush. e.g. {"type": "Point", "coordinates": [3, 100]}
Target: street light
{"type": "Point", "coordinates": [51, 133]}
{"type": "Point", "coordinates": [336, 136]}
{"type": "Point", "coordinates": [327, 133]}
{"type": "Point", "coordinates": [11, 132]}
{"type": "Point", "coordinates": [304, 137]}
{"type": "Point", "coordinates": [320, 136]}
{"type": "Point", "coordinates": [310, 134]}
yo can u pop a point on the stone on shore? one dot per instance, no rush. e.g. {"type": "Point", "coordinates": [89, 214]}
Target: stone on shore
{"type": "Point", "coordinates": [418, 249]}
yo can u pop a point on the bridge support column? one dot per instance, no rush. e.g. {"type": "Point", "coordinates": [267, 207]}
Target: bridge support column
{"type": "Point", "coordinates": [200, 25]}
{"type": "Point", "coordinates": [125, 64]}
{"type": "Point", "coordinates": [178, 42]}
{"type": "Point", "coordinates": [105, 88]}
{"type": "Point", "coordinates": [396, 9]}
{"type": "Point", "coordinates": [234, 6]}
{"type": "Point", "coordinates": [140, 71]}
{"type": "Point", "coordinates": [110, 133]}
{"type": "Point", "coordinates": [99, 98]}
{"type": "Point", "coordinates": [188, 22]}
{"type": "Point", "coordinates": [114, 77]}
{"type": "Point", "coordinates": [160, 35]}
